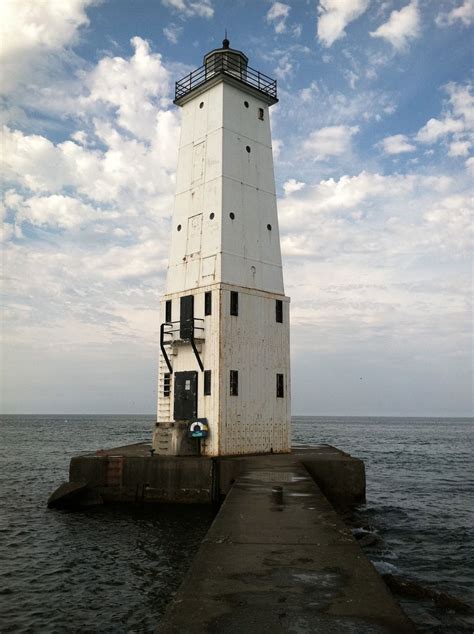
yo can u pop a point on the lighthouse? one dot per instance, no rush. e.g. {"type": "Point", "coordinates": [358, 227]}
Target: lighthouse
{"type": "Point", "coordinates": [224, 362]}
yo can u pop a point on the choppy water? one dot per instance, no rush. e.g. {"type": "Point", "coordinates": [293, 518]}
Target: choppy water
{"type": "Point", "coordinates": [114, 569]}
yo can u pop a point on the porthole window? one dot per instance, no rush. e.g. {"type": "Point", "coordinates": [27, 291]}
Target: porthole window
{"type": "Point", "coordinates": [179, 227]}
{"type": "Point", "coordinates": [248, 149]}
{"type": "Point", "coordinates": [201, 105]}
{"type": "Point", "coordinates": [211, 216]}
{"type": "Point", "coordinates": [246, 104]}
{"type": "Point", "coordinates": [232, 215]}
{"type": "Point", "coordinates": [269, 227]}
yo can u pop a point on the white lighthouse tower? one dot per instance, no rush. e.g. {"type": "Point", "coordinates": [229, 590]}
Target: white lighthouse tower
{"type": "Point", "coordinates": [224, 371]}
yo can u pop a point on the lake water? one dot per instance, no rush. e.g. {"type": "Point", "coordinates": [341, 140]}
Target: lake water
{"type": "Point", "coordinates": [113, 569]}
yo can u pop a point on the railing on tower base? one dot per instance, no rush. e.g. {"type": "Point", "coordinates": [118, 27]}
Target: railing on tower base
{"type": "Point", "coordinates": [168, 328]}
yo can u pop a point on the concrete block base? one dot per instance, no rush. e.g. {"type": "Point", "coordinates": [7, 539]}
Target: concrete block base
{"type": "Point", "coordinates": [135, 474]}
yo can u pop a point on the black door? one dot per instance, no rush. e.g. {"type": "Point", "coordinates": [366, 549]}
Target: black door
{"type": "Point", "coordinates": [185, 395]}
{"type": "Point", "coordinates": [186, 318]}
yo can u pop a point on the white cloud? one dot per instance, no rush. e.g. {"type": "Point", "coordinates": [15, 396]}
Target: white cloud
{"type": "Point", "coordinates": [55, 211]}
{"type": "Point", "coordinates": [372, 260]}
{"type": "Point", "coordinates": [335, 15]}
{"type": "Point", "coordinates": [189, 8]}
{"type": "Point", "coordinates": [292, 186]}
{"type": "Point", "coordinates": [463, 13]}
{"type": "Point", "coordinates": [329, 141]}
{"type": "Point", "coordinates": [459, 148]}
{"type": "Point", "coordinates": [277, 15]}
{"type": "Point", "coordinates": [133, 87]}
{"type": "Point", "coordinates": [172, 33]}
{"type": "Point", "coordinates": [434, 129]}
{"type": "Point", "coordinates": [397, 144]}
{"type": "Point", "coordinates": [39, 25]}
{"type": "Point", "coordinates": [306, 95]}
{"type": "Point", "coordinates": [456, 125]}
{"type": "Point", "coordinates": [402, 26]}
{"type": "Point", "coordinates": [297, 30]}
{"type": "Point", "coordinates": [33, 33]}
{"type": "Point", "coordinates": [461, 100]}
{"type": "Point", "coordinates": [284, 67]}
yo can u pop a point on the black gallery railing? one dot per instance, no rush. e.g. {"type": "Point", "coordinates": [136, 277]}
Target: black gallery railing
{"type": "Point", "coordinates": [227, 66]}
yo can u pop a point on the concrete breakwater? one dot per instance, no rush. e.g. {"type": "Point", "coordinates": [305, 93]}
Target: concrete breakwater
{"type": "Point", "coordinates": [277, 558]}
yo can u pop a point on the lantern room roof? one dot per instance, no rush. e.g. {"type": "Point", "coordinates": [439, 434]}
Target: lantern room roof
{"type": "Point", "coordinates": [225, 50]}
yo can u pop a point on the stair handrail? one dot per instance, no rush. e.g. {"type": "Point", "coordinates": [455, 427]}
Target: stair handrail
{"type": "Point", "coordinates": [164, 332]}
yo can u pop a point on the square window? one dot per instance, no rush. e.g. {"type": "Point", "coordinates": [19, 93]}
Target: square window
{"type": "Point", "coordinates": [279, 386]}
{"type": "Point", "coordinates": [208, 303]}
{"type": "Point", "coordinates": [168, 312]}
{"type": "Point", "coordinates": [279, 311]}
{"type": "Point", "coordinates": [207, 382]}
{"type": "Point", "coordinates": [234, 303]}
{"type": "Point", "coordinates": [234, 383]}
{"type": "Point", "coordinates": [260, 114]}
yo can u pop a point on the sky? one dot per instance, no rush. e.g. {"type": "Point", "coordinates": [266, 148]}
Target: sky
{"type": "Point", "coordinates": [372, 140]}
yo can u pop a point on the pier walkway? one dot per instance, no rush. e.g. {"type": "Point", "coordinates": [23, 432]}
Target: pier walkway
{"type": "Point", "coordinates": [281, 561]}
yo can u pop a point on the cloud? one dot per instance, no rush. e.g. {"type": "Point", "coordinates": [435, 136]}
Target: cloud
{"type": "Point", "coordinates": [463, 13]}
{"type": "Point", "coordinates": [34, 36]}
{"type": "Point", "coordinates": [292, 186]}
{"type": "Point", "coordinates": [402, 26]}
{"type": "Point", "coordinates": [335, 15]}
{"type": "Point", "coordinates": [329, 141]}
{"type": "Point", "coordinates": [277, 15]}
{"type": "Point", "coordinates": [371, 213]}
{"type": "Point", "coordinates": [55, 211]}
{"type": "Point", "coordinates": [172, 33]}
{"type": "Point", "coordinates": [284, 67]}
{"type": "Point", "coordinates": [372, 260]}
{"type": "Point", "coordinates": [456, 124]}
{"type": "Point", "coordinates": [397, 144]}
{"type": "Point", "coordinates": [190, 9]}
{"type": "Point", "coordinates": [133, 87]}
{"type": "Point", "coordinates": [434, 129]}
{"type": "Point", "coordinates": [459, 148]}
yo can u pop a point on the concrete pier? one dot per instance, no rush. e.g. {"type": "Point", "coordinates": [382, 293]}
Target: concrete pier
{"type": "Point", "coordinates": [279, 559]}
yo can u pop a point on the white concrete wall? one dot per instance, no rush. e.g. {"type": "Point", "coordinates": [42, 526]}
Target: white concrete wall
{"type": "Point", "coordinates": [254, 344]}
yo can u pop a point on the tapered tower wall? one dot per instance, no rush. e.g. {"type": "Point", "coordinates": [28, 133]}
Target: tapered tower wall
{"type": "Point", "coordinates": [225, 244]}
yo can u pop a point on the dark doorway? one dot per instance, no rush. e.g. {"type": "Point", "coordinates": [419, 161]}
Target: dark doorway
{"type": "Point", "coordinates": [185, 395]}
{"type": "Point", "coordinates": [186, 317]}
